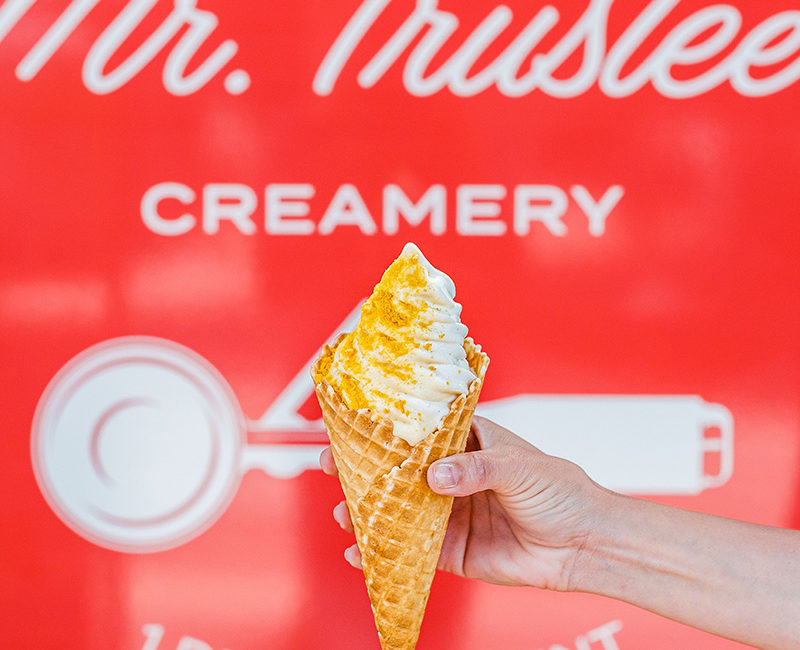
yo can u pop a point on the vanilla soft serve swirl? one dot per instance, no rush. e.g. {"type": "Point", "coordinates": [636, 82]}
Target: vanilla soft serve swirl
{"type": "Point", "coordinates": [405, 359]}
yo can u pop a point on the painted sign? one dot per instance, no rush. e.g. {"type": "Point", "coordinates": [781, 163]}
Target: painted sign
{"type": "Point", "coordinates": [197, 194]}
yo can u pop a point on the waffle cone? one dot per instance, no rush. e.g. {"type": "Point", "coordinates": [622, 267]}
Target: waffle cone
{"type": "Point", "coordinates": [399, 521]}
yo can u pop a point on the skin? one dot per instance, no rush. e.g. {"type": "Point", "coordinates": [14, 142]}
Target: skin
{"type": "Point", "coordinates": [521, 517]}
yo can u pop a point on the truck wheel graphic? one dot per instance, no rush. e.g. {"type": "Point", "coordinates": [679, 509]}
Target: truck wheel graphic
{"type": "Point", "coordinates": [136, 444]}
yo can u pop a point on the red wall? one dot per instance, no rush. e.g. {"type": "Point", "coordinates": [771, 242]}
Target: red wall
{"type": "Point", "coordinates": [613, 192]}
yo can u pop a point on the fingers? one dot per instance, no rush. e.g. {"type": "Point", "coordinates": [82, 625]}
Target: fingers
{"type": "Point", "coordinates": [342, 516]}
{"type": "Point", "coordinates": [340, 513]}
{"type": "Point", "coordinates": [490, 434]}
{"type": "Point", "coordinates": [503, 463]}
{"type": "Point", "coordinates": [353, 556]}
{"type": "Point", "coordinates": [465, 474]}
{"type": "Point", "coordinates": [326, 462]}
{"type": "Point", "coordinates": [454, 545]}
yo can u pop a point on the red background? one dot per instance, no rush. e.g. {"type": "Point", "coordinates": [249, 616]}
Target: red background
{"type": "Point", "coordinates": [693, 289]}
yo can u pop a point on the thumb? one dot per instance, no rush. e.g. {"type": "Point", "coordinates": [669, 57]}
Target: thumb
{"type": "Point", "coordinates": [464, 474]}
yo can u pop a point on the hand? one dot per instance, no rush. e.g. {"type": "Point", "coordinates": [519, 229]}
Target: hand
{"type": "Point", "coordinates": [520, 517]}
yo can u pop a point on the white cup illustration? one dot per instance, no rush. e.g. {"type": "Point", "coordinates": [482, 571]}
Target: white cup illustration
{"type": "Point", "coordinates": [639, 444]}
{"type": "Point", "coordinates": [139, 444]}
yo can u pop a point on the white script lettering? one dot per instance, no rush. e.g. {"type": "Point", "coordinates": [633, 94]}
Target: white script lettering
{"type": "Point", "coordinates": [194, 25]}
{"type": "Point", "coordinates": [427, 29]}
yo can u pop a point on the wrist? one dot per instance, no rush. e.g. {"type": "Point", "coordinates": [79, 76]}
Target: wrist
{"type": "Point", "coordinates": [599, 562]}
{"type": "Point", "coordinates": [632, 549]}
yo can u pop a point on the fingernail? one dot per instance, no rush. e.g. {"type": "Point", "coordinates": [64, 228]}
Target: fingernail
{"type": "Point", "coordinates": [445, 475]}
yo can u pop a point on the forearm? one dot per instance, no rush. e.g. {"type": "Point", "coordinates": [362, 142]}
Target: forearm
{"type": "Point", "coordinates": [731, 578]}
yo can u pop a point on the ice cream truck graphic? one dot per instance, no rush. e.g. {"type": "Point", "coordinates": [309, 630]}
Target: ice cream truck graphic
{"type": "Point", "coordinates": [139, 444]}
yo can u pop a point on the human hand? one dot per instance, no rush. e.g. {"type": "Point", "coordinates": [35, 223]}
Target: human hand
{"type": "Point", "coordinates": [520, 517]}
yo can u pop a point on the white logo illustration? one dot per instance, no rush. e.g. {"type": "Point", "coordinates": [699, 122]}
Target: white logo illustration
{"type": "Point", "coordinates": [139, 444]}
{"type": "Point", "coordinates": [639, 444]}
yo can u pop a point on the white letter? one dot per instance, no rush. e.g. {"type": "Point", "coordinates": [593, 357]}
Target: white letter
{"type": "Point", "coordinates": [231, 201]}
{"type": "Point", "coordinates": [158, 224]}
{"type": "Point", "coordinates": [424, 14]}
{"type": "Point", "coordinates": [597, 212]}
{"type": "Point", "coordinates": [442, 26]}
{"type": "Point", "coordinates": [53, 38]}
{"type": "Point", "coordinates": [11, 12]}
{"type": "Point", "coordinates": [675, 49]}
{"type": "Point", "coordinates": [755, 49]}
{"type": "Point", "coordinates": [112, 38]}
{"type": "Point", "coordinates": [154, 634]}
{"type": "Point", "coordinates": [284, 203]}
{"type": "Point", "coordinates": [347, 209]}
{"type": "Point", "coordinates": [476, 205]}
{"type": "Point", "coordinates": [619, 54]}
{"type": "Point", "coordinates": [345, 43]}
{"type": "Point", "coordinates": [510, 61]}
{"type": "Point", "coordinates": [201, 24]}
{"type": "Point", "coordinates": [551, 205]}
{"type": "Point", "coordinates": [459, 65]}
{"type": "Point", "coordinates": [395, 203]}
{"type": "Point", "coordinates": [605, 634]}
{"type": "Point", "coordinates": [190, 643]}
{"type": "Point", "coordinates": [589, 30]}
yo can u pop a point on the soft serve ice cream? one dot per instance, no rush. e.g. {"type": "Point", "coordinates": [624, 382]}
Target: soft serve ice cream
{"type": "Point", "coordinates": [397, 394]}
{"type": "Point", "coordinates": [405, 360]}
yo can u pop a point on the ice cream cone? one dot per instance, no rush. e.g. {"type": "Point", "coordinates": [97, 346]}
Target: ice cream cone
{"type": "Point", "coordinates": [399, 521]}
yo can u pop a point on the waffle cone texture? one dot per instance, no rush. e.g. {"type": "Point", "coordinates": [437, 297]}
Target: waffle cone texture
{"type": "Point", "coordinates": [399, 521]}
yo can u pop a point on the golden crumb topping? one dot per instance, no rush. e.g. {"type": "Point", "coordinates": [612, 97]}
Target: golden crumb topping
{"type": "Point", "coordinates": [388, 325]}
